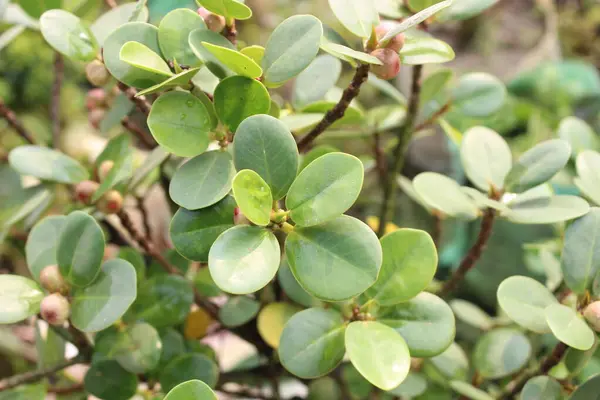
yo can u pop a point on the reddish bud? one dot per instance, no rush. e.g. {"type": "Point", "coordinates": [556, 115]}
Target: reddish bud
{"type": "Point", "coordinates": [55, 309]}
{"type": "Point", "coordinates": [391, 63]}
{"type": "Point", "coordinates": [52, 280]}
{"type": "Point", "coordinates": [203, 12]}
{"type": "Point", "coordinates": [85, 190]}
{"type": "Point", "coordinates": [239, 218]}
{"type": "Point", "coordinates": [397, 42]}
{"type": "Point", "coordinates": [111, 202]}
{"type": "Point", "coordinates": [95, 98]}
{"type": "Point", "coordinates": [592, 315]}
{"type": "Point", "coordinates": [104, 169]}
{"type": "Point", "coordinates": [215, 23]}
{"type": "Point", "coordinates": [96, 73]}
{"type": "Point", "coordinates": [96, 116]}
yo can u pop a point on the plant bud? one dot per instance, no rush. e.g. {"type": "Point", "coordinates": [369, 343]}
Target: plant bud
{"type": "Point", "coordinates": [96, 73]}
{"type": "Point", "coordinates": [104, 169]}
{"type": "Point", "coordinates": [95, 117]}
{"type": "Point", "coordinates": [111, 202]}
{"type": "Point", "coordinates": [391, 63]}
{"type": "Point", "coordinates": [215, 23]}
{"type": "Point", "coordinates": [85, 190]}
{"type": "Point", "coordinates": [55, 309]}
{"type": "Point", "coordinates": [239, 218]}
{"type": "Point", "coordinates": [592, 315]}
{"type": "Point", "coordinates": [203, 12]}
{"type": "Point", "coordinates": [397, 42]}
{"type": "Point", "coordinates": [95, 98]}
{"type": "Point", "coordinates": [52, 280]}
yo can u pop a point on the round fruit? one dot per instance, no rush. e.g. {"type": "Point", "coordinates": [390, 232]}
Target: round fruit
{"type": "Point", "coordinates": [111, 202]}
{"type": "Point", "coordinates": [55, 309]}
{"type": "Point", "coordinates": [85, 190]}
{"type": "Point", "coordinates": [96, 73]}
{"type": "Point", "coordinates": [391, 63]}
{"type": "Point", "coordinates": [52, 280]}
{"type": "Point", "coordinates": [592, 315]}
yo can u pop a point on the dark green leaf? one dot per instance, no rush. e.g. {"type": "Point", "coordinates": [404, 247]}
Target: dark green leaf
{"type": "Point", "coordinates": [138, 348]}
{"type": "Point", "coordinates": [580, 261]}
{"type": "Point", "coordinates": [237, 98]}
{"type": "Point", "coordinates": [292, 288]}
{"type": "Point", "coordinates": [108, 380]}
{"type": "Point", "coordinates": [187, 367]}
{"type": "Point", "coordinates": [587, 390]}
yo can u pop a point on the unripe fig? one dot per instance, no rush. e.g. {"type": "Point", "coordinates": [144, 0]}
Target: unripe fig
{"type": "Point", "coordinates": [85, 190]}
{"type": "Point", "coordinates": [214, 22]}
{"type": "Point", "coordinates": [53, 281]}
{"type": "Point", "coordinates": [104, 169]}
{"type": "Point", "coordinates": [111, 202]}
{"type": "Point", "coordinates": [592, 315]}
{"type": "Point", "coordinates": [96, 116]}
{"type": "Point", "coordinates": [96, 73]}
{"type": "Point", "coordinates": [95, 98]}
{"type": "Point", "coordinates": [391, 63]}
{"type": "Point", "coordinates": [397, 42]}
{"type": "Point", "coordinates": [55, 309]}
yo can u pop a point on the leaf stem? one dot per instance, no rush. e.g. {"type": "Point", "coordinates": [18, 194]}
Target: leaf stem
{"type": "Point", "coordinates": [10, 117]}
{"type": "Point", "coordinates": [34, 376]}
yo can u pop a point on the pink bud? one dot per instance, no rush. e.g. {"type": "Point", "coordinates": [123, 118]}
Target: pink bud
{"type": "Point", "coordinates": [391, 63]}
{"type": "Point", "coordinates": [111, 202]}
{"type": "Point", "coordinates": [85, 190]}
{"type": "Point", "coordinates": [592, 315]}
{"type": "Point", "coordinates": [203, 12]}
{"type": "Point", "coordinates": [55, 309]}
{"type": "Point", "coordinates": [95, 98]}
{"type": "Point", "coordinates": [397, 42]}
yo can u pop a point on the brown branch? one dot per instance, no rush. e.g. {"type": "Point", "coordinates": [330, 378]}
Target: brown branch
{"type": "Point", "coordinates": [230, 33]}
{"type": "Point", "coordinates": [404, 135]}
{"type": "Point", "coordinates": [141, 102]}
{"type": "Point", "coordinates": [10, 117]}
{"type": "Point", "coordinates": [78, 387]}
{"type": "Point", "coordinates": [34, 376]}
{"type": "Point", "coordinates": [138, 132]}
{"type": "Point", "coordinates": [144, 213]}
{"type": "Point", "coordinates": [380, 163]}
{"type": "Point", "coordinates": [434, 117]}
{"type": "Point", "coordinates": [337, 112]}
{"type": "Point", "coordinates": [59, 74]}
{"type": "Point", "coordinates": [516, 385]}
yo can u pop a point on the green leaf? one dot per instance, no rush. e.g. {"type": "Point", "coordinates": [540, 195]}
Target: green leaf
{"type": "Point", "coordinates": [181, 79]}
{"type": "Point", "coordinates": [291, 48]}
{"type": "Point", "coordinates": [114, 18]}
{"type": "Point", "coordinates": [542, 388]}
{"type": "Point", "coordinates": [205, 284]}
{"type": "Point", "coordinates": [444, 194]}
{"type": "Point", "coordinates": [543, 210]}
{"type": "Point", "coordinates": [187, 367]}
{"type": "Point", "coordinates": [501, 352]}
{"type": "Point", "coordinates": [136, 259]}
{"type": "Point", "coordinates": [101, 304]}
{"type": "Point", "coordinates": [482, 201]}
{"type": "Point", "coordinates": [465, 9]}
{"type": "Point", "coordinates": [358, 16]}
{"type": "Point", "coordinates": [119, 151]}
{"type": "Point", "coordinates": [193, 232]}
{"type": "Point", "coordinates": [292, 288]}
{"type": "Point", "coordinates": [314, 82]}
{"type": "Point", "coordinates": [538, 165]}
{"type": "Point", "coordinates": [451, 364]}
{"type": "Point", "coordinates": [414, 385]}
{"type": "Point", "coordinates": [325, 388]}
{"type": "Point", "coordinates": [425, 50]}
{"type": "Point", "coordinates": [50, 346]}
{"type": "Point", "coordinates": [414, 20]}
{"type": "Point", "coordinates": [435, 84]}
{"type": "Point", "coordinates": [569, 327]}
{"type": "Point", "coordinates": [163, 301]}
{"type": "Point", "coordinates": [578, 134]}
{"type": "Point", "coordinates": [68, 35]}
{"type": "Point", "coordinates": [253, 197]}
{"type": "Point", "coordinates": [142, 57]}
{"type": "Point", "coordinates": [199, 36]}
{"type": "Point", "coordinates": [469, 391]}
{"type": "Point", "coordinates": [234, 60]}
{"type": "Point", "coordinates": [180, 123]}
{"type": "Point", "coordinates": [471, 314]}
{"type": "Point", "coordinates": [272, 319]}
{"type": "Point", "coordinates": [588, 180]}
{"type": "Point", "coordinates": [80, 249]}
{"type": "Point", "coordinates": [580, 261]}
{"type": "Point", "coordinates": [524, 300]}
{"type": "Point", "coordinates": [255, 52]}
{"type": "Point", "coordinates": [20, 298]}
{"type": "Point", "coordinates": [36, 8]}
{"type": "Point", "coordinates": [40, 249]}
{"type": "Point", "coordinates": [238, 310]}
{"type": "Point", "coordinates": [138, 348]}
{"type": "Point", "coordinates": [140, 32]}
{"type": "Point", "coordinates": [265, 145]}
{"type": "Point", "coordinates": [191, 390]}
{"type": "Point", "coordinates": [237, 98]}
{"type": "Point", "coordinates": [202, 181]}
{"type": "Point", "coordinates": [576, 360]}
{"type": "Point", "coordinates": [479, 94]}
{"type": "Point", "coordinates": [315, 153]}
{"type": "Point", "coordinates": [587, 390]}
{"type": "Point", "coordinates": [344, 251]}
{"type": "Point", "coordinates": [173, 33]}
{"type": "Point", "coordinates": [244, 259]}
{"type": "Point", "coordinates": [227, 8]}
{"type": "Point", "coordinates": [409, 264]}
{"type": "Point", "coordinates": [347, 54]}
{"type": "Point", "coordinates": [485, 157]}
{"type": "Point", "coordinates": [300, 122]}
{"type": "Point", "coordinates": [426, 322]}
{"type": "Point", "coordinates": [325, 189]}
{"type": "Point", "coordinates": [108, 380]}
{"type": "Point", "coordinates": [46, 164]}
{"type": "Point", "coordinates": [154, 159]}
{"type": "Point", "coordinates": [312, 342]}
{"type": "Point", "coordinates": [378, 352]}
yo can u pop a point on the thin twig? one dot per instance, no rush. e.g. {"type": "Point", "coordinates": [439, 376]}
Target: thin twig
{"type": "Point", "coordinates": [404, 134]}
{"type": "Point", "coordinates": [338, 111]}
{"type": "Point", "coordinates": [230, 33]}
{"type": "Point", "coordinates": [78, 387]}
{"type": "Point", "coordinates": [434, 117]}
{"type": "Point", "coordinates": [138, 132]}
{"type": "Point", "coordinates": [34, 376]}
{"type": "Point", "coordinates": [140, 101]}
{"type": "Point", "coordinates": [10, 117]}
{"type": "Point", "coordinates": [59, 74]}
{"type": "Point", "coordinates": [144, 213]}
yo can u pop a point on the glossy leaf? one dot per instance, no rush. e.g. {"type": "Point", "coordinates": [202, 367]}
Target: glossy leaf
{"type": "Point", "coordinates": [227, 8]}
{"type": "Point", "coordinates": [414, 20]}
{"type": "Point", "coordinates": [173, 33]}
{"type": "Point", "coordinates": [80, 249]}
{"type": "Point", "coordinates": [291, 48]}
{"type": "Point", "coordinates": [426, 322]}
{"type": "Point", "coordinates": [142, 57]}
{"type": "Point", "coordinates": [271, 321]}
{"type": "Point", "coordinates": [20, 298]}
{"type": "Point", "coordinates": [238, 310]}
{"type": "Point", "coordinates": [181, 79]}
{"type": "Point", "coordinates": [68, 35]}
{"type": "Point", "coordinates": [114, 18]}
{"type": "Point", "coordinates": [578, 134]}
{"type": "Point", "coordinates": [344, 251]}
{"type": "Point", "coordinates": [191, 390]}
{"type": "Point", "coordinates": [358, 16]}
{"type": "Point", "coordinates": [40, 249]}
{"type": "Point", "coordinates": [238, 62]}
{"type": "Point", "coordinates": [199, 36]}
{"type": "Point", "coordinates": [180, 123]}
{"type": "Point", "coordinates": [46, 164]}
{"type": "Point", "coordinates": [292, 288]}
{"type": "Point", "coordinates": [312, 342]}
{"type": "Point", "coordinates": [588, 180]}
{"type": "Point", "coordinates": [325, 189]}
{"type": "Point", "coordinates": [444, 194]}
{"type": "Point", "coordinates": [543, 210]}
{"type": "Point", "coordinates": [542, 388]}
{"type": "Point", "coordinates": [569, 327]}
{"type": "Point", "coordinates": [244, 259]}
{"type": "Point", "coordinates": [424, 50]}
{"type": "Point", "coordinates": [264, 144]}
{"type": "Point", "coordinates": [138, 348]}
{"type": "Point", "coordinates": [409, 264]}
{"type": "Point", "coordinates": [106, 379]}
{"type": "Point", "coordinates": [255, 52]}
{"type": "Point", "coordinates": [315, 81]}
{"type": "Point", "coordinates": [237, 98]}
{"type": "Point", "coordinates": [347, 54]}
{"type": "Point", "coordinates": [253, 197]}
{"type": "Point", "coordinates": [501, 352]}
{"type": "Point", "coordinates": [188, 367]}
{"type": "Point", "coordinates": [580, 263]}
{"type": "Point", "coordinates": [378, 352]}
{"type": "Point", "coordinates": [202, 181]}
{"type": "Point", "coordinates": [479, 94]}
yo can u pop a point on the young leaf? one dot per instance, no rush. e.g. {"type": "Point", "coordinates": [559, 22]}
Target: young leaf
{"type": "Point", "coordinates": [569, 327]}
{"type": "Point", "coordinates": [138, 348]}
{"type": "Point", "coordinates": [191, 390]}
{"type": "Point", "coordinates": [358, 16]}
{"type": "Point", "coordinates": [140, 56]}
{"type": "Point", "coordinates": [378, 352]}
{"type": "Point", "coordinates": [46, 164]}
{"type": "Point", "coordinates": [479, 94]}
{"type": "Point", "coordinates": [20, 298]}
{"type": "Point", "coordinates": [271, 321]}
{"type": "Point", "coordinates": [444, 194]}
{"type": "Point", "coordinates": [347, 247]}
{"type": "Point", "coordinates": [325, 189]}
{"type": "Point", "coordinates": [238, 310]}
{"type": "Point", "coordinates": [545, 210]}
{"type": "Point", "coordinates": [264, 144]}
{"type": "Point", "coordinates": [244, 259]}
{"type": "Point", "coordinates": [409, 264]}
{"type": "Point", "coordinates": [40, 249]}
{"type": "Point", "coordinates": [237, 98]}
{"type": "Point", "coordinates": [291, 48]}
{"type": "Point", "coordinates": [501, 352]}
{"type": "Point", "coordinates": [199, 36]}
{"type": "Point", "coordinates": [101, 304]}
{"type": "Point", "coordinates": [347, 54]}
{"type": "Point", "coordinates": [253, 197]}
{"type": "Point", "coordinates": [234, 60]}
{"type": "Point", "coordinates": [173, 33]}
{"type": "Point", "coordinates": [312, 342]}
{"type": "Point", "coordinates": [465, 9]}
{"type": "Point", "coordinates": [588, 180]}
{"type": "Point", "coordinates": [227, 8]}
{"type": "Point", "coordinates": [180, 123]}
{"type": "Point", "coordinates": [315, 81]}
{"type": "Point", "coordinates": [414, 20]}
{"type": "Point", "coordinates": [255, 52]}
{"type": "Point", "coordinates": [106, 379]}
{"type": "Point", "coordinates": [181, 79]}
{"type": "Point", "coordinates": [424, 50]}
{"type": "Point", "coordinates": [542, 388]}
{"type": "Point", "coordinates": [292, 288]}
{"type": "Point", "coordinates": [187, 367]}
{"type": "Point", "coordinates": [68, 35]}
{"type": "Point", "coordinates": [113, 19]}
{"type": "Point", "coordinates": [80, 249]}
{"type": "Point", "coordinates": [580, 261]}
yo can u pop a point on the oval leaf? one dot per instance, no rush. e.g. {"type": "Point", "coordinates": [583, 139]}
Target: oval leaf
{"type": "Point", "coordinates": [479, 94]}
{"type": "Point", "coordinates": [271, 321]}
{"type": "Point", "coordinates": [444, 194]}
{"type": "Point", "coordinates": [40, 250]}
{"type": "Point", "coordinates": [106, 379]}
{"type": "Point", "coordinates": [191, 390]}
{"type": "Point", "coordinates": [315, 81]}
{"type": "Point", "coordinates": [227, 8]}
{"type": "Point", "coordinates": [68, 35]}
{"type": "Point", "coordinates": [138, 348]}
{"type": "Point", "coordinates": [425, 50]}
{"type": "Point", "coordinates": [237, 98]}
{"type": "Point", "coordinates": [580, 261]}
{"type": "Point", "coordinates": [173, 33]}
{"type": "Point", "coordinates": [501, 352]}
{"type": "Point", "coordinates": [238, 62]}
{"type": "Point", "coordinates": [142, 57]}
{"type": "Point", "coordinates": [253, 197]}
{"type": "Point", "coordinates": [569, 328]}
{"type": "Point", "coordinates": [544, 210]}
{"type": "Point", "coordinates": [358, 16]}
{"type": "Point", "coordinates": [238, 310]}
{"type": "Point", "coordinates": [20, 298]}
{"type": "Point", "coordinates": [46, 164]}
{"type": "Point", "coordinates": [588, 180]}
{"type": "Point", "coordinates": [189, 367]}
{"type": "Point", "coordinates": [542, 388]}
